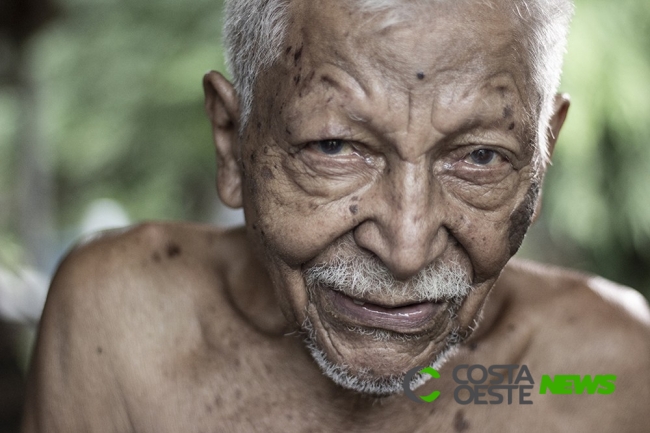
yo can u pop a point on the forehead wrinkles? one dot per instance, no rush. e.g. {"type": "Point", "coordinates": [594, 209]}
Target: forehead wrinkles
{"type": "Point", "coordinates": [440, 40]}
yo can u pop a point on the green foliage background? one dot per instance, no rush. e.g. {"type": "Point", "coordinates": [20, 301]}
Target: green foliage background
{"type": "Point", "coordinates": [120, 111]}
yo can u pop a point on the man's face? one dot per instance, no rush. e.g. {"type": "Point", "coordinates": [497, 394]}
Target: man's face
{"type": "Point", "coordinates": [403, 151]}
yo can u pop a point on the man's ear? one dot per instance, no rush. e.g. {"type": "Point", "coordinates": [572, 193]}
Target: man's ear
{"type": "Point", "coordinates": [560, 111]}
{"type": "Point", "coordinates": [222, 107]}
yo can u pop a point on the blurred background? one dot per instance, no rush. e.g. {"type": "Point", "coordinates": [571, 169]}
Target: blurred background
{"type": "Point", "coordinates": [102, 125]}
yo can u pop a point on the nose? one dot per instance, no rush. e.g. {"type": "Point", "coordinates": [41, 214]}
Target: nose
{"type": "Point", "coordinates": [404, 225]}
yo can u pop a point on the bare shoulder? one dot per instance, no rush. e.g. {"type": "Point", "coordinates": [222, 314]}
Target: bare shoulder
{"type": "Point", "coordinates": [574, 298]}
{"type": "Point", "coordinates": [124, 277]}
{"type": "Point", "coordinates": [123, 307]}
{"type": "Point", "coordinates": [595, 316]}
{"type": "Point", "coordinates": [580, 324]}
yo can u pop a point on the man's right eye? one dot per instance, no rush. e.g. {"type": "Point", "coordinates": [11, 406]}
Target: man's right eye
{"type": "Point", "coordinates": [332, 147]}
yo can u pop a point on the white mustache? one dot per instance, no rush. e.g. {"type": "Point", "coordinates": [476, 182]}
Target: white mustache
{"type": "Point", "coordinates": [366, 277]}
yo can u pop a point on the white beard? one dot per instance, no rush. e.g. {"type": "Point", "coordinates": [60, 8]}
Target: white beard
{"type": "Point", "coordinates": [361, 382]}
{"type": "Point", "coordinates": [365, 276]}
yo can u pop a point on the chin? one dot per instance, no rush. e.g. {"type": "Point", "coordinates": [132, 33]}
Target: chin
{"type": "Point", "coordinates": [374, 362]}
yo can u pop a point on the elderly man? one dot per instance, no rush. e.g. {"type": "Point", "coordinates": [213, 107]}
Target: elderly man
{"type": "Point", "coordinates": [388, 156]}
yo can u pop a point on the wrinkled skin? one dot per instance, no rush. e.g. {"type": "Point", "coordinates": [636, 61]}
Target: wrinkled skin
{"type": "Point", "coordinates": [178, 327]}
{"type": "Point", "coordinates": [411, 107]}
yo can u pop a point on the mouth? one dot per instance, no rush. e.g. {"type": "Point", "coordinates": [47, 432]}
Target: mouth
{"type": "Point", "coordinates": [403, 318]}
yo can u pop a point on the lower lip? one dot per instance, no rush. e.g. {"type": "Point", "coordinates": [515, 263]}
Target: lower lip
{"type": "Point", "coordinates": [407, 319]}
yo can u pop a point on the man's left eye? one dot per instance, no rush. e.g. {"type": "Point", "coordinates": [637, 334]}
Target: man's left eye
{"type": "Point", "coordinates": [483, 157]}
{"type": "Point", "coordinates": [332, 147]}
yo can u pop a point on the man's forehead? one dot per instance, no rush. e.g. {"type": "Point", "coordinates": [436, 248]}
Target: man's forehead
{"type": "Point", "coordinates": [431, 41]}
{"type": "Point", "coordinates": [466, 72]}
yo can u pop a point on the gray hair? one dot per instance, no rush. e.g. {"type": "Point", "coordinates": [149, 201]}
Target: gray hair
{"type": "Point", "coordinates": [254, 33]}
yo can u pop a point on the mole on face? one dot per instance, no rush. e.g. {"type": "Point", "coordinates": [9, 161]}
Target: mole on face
{"type": "Point", "coordinates": [420, 75]}
{"type": "Point", "coordinates": [354, 209]}
{"type": "Point", "coordinates": [521, 218]}
{"type": "Point", "coordinates": [267, 173]}
{"type": "Point", "coordinates": [297, 55]}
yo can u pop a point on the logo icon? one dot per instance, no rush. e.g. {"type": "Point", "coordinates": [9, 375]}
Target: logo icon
{"type": "Point", "coordinates": [407, 384]}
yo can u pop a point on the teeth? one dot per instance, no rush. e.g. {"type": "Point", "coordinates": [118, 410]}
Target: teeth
{"type": "Point", "coordinates": [356, 301]}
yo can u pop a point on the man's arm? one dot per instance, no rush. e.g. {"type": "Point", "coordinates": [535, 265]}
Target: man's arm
{"type": "Point", "coordinates": [73, 385]}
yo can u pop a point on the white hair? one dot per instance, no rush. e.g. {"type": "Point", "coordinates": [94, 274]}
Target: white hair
{"type": "Point", "coordinates": [254, 32]}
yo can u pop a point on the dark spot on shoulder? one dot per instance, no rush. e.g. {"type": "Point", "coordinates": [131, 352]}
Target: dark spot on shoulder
{"type": "Point", "coordinates": [521, 218]}
{"type": "Point", "coordinates": [267, 173]}
{"type": "Point", "coordinates": [460, 422]}
{"type": "Point", "coordinates": [473, 346]}
{"type": "Point", "coordinates": [173, 250]}
{"type": "Point", "coordinates": [99, 349]}
{"type": "Point", "coordinates": [507, 111]}
{"type": "Point", "coordinates": [511, 127]}
{"type": "Point", "coordinates": [420, 75]}
{"type": "Point", "coordinates": [156, 257]}
{"type": "Point", "coordinates": [354, 209]}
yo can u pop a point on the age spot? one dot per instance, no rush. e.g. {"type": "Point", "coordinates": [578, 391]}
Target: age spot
{"type": "Point", "coordinates": [267, 173]}
{"type": "Point", "coordinates": [297, 55]}
{"type": "Point", "coordinates": [173, 250]}
{"type": "Point", "coordinates": [521, 218]}
{"type": "Point", "coordinates": [460, 422]}
{"type": "Point", "coordinates": [354, 209]}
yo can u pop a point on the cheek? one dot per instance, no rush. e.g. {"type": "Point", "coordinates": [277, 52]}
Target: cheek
{"type": "Point", "coordinates": [293, 226]}
{"type": "Point", "coordinates": [483, 236]}
{"type": "Point", "coordinates": [521, 218]}
{"type": "Point", "coordinates": [490, 237]}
